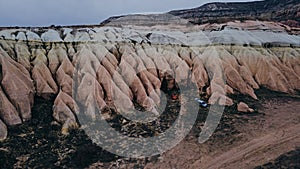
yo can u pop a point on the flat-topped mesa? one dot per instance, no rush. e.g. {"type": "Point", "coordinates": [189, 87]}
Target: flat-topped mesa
{"type": "Point", "coordinates": [145, 20]}
{"type": "Point", "coordinates": [110, 67]}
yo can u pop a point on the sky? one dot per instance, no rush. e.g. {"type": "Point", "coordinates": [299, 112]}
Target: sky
{"type": "Point", "coordinates": [79, 12]}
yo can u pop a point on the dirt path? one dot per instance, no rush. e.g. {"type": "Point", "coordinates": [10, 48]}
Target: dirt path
{"type": "Point", "coordinates": [261, 140]}
{"type": "Point", "coordinates": [255, 152]}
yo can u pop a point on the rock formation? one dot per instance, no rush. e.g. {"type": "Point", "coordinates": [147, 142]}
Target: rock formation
{"type": "Point", "coordinates": [108, 67]}
{"type": "Point", "coordinates": [243, 107]}
{"type": "Point", "coordinates": [286, 13]}
{"type": "Point", "coordinates": [268, 10]}
{"type": "Point", "coordinates": [3, 131]}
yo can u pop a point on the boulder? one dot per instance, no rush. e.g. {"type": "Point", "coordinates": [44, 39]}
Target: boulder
{"type": "Point", "coordinates": [243, 107]}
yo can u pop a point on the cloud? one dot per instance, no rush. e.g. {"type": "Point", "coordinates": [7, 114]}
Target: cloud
{"type": "Point", "coordinates": [75, 12]}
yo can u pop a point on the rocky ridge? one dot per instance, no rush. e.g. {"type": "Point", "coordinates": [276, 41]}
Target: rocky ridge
{"type": "Point", "coordinates": [114, 68]}
{"type": "Point", "coordinates": [287, 12]}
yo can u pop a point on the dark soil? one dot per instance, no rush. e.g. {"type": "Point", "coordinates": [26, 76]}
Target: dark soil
{"type": "Point", "coordinates": [289, 160]}
{"type": "Point", "coordinates": [40, 144]}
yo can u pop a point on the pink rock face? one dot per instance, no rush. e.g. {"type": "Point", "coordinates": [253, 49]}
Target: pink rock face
{"type": "Point", "coordinates": [115, 75]}
{"type": "Point", "coordinates": [9, 113]}
{"type": "Point", "coordinates": [18, 87]}
{"type": "Point", "coordinates": [243, 107]}
{"type": "Point", "coordinates": [3, 131]}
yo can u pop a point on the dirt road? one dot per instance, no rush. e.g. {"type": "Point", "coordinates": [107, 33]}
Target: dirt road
{"type": "Point", "coordinates": [260, 140]}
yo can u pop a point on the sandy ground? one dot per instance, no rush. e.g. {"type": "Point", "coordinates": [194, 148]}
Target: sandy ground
{"type": "Point", "coordinates": [261, 139]}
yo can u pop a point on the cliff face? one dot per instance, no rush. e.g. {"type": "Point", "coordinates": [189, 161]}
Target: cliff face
{"type": "Point", "coordinates": [115, 68]}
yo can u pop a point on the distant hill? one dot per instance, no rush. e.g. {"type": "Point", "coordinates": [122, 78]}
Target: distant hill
{"type": "Point", "coordinates": [145, 20]}
{"type": "Point", "coordinates": [284, 11]}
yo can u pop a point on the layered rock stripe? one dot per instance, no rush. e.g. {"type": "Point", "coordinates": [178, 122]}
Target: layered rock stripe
{"type": "Point", "coordinates": [115, 67]}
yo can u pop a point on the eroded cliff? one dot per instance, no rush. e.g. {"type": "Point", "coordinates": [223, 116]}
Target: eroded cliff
{"type": "Point", "coordinates": [116, 68]}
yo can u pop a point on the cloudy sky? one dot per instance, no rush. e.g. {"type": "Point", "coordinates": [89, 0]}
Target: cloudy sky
{"type": "Point", "coordinates": [76, 12]}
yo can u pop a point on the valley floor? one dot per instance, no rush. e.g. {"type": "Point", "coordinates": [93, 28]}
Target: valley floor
{"type": "Point", "coordinates": [267, 138]}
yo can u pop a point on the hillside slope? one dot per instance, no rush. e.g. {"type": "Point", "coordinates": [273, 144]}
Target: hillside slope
{"type": "Point", "coordinates": [282, 11]}
{"type": "Point", "coordinates": [285, 11]}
